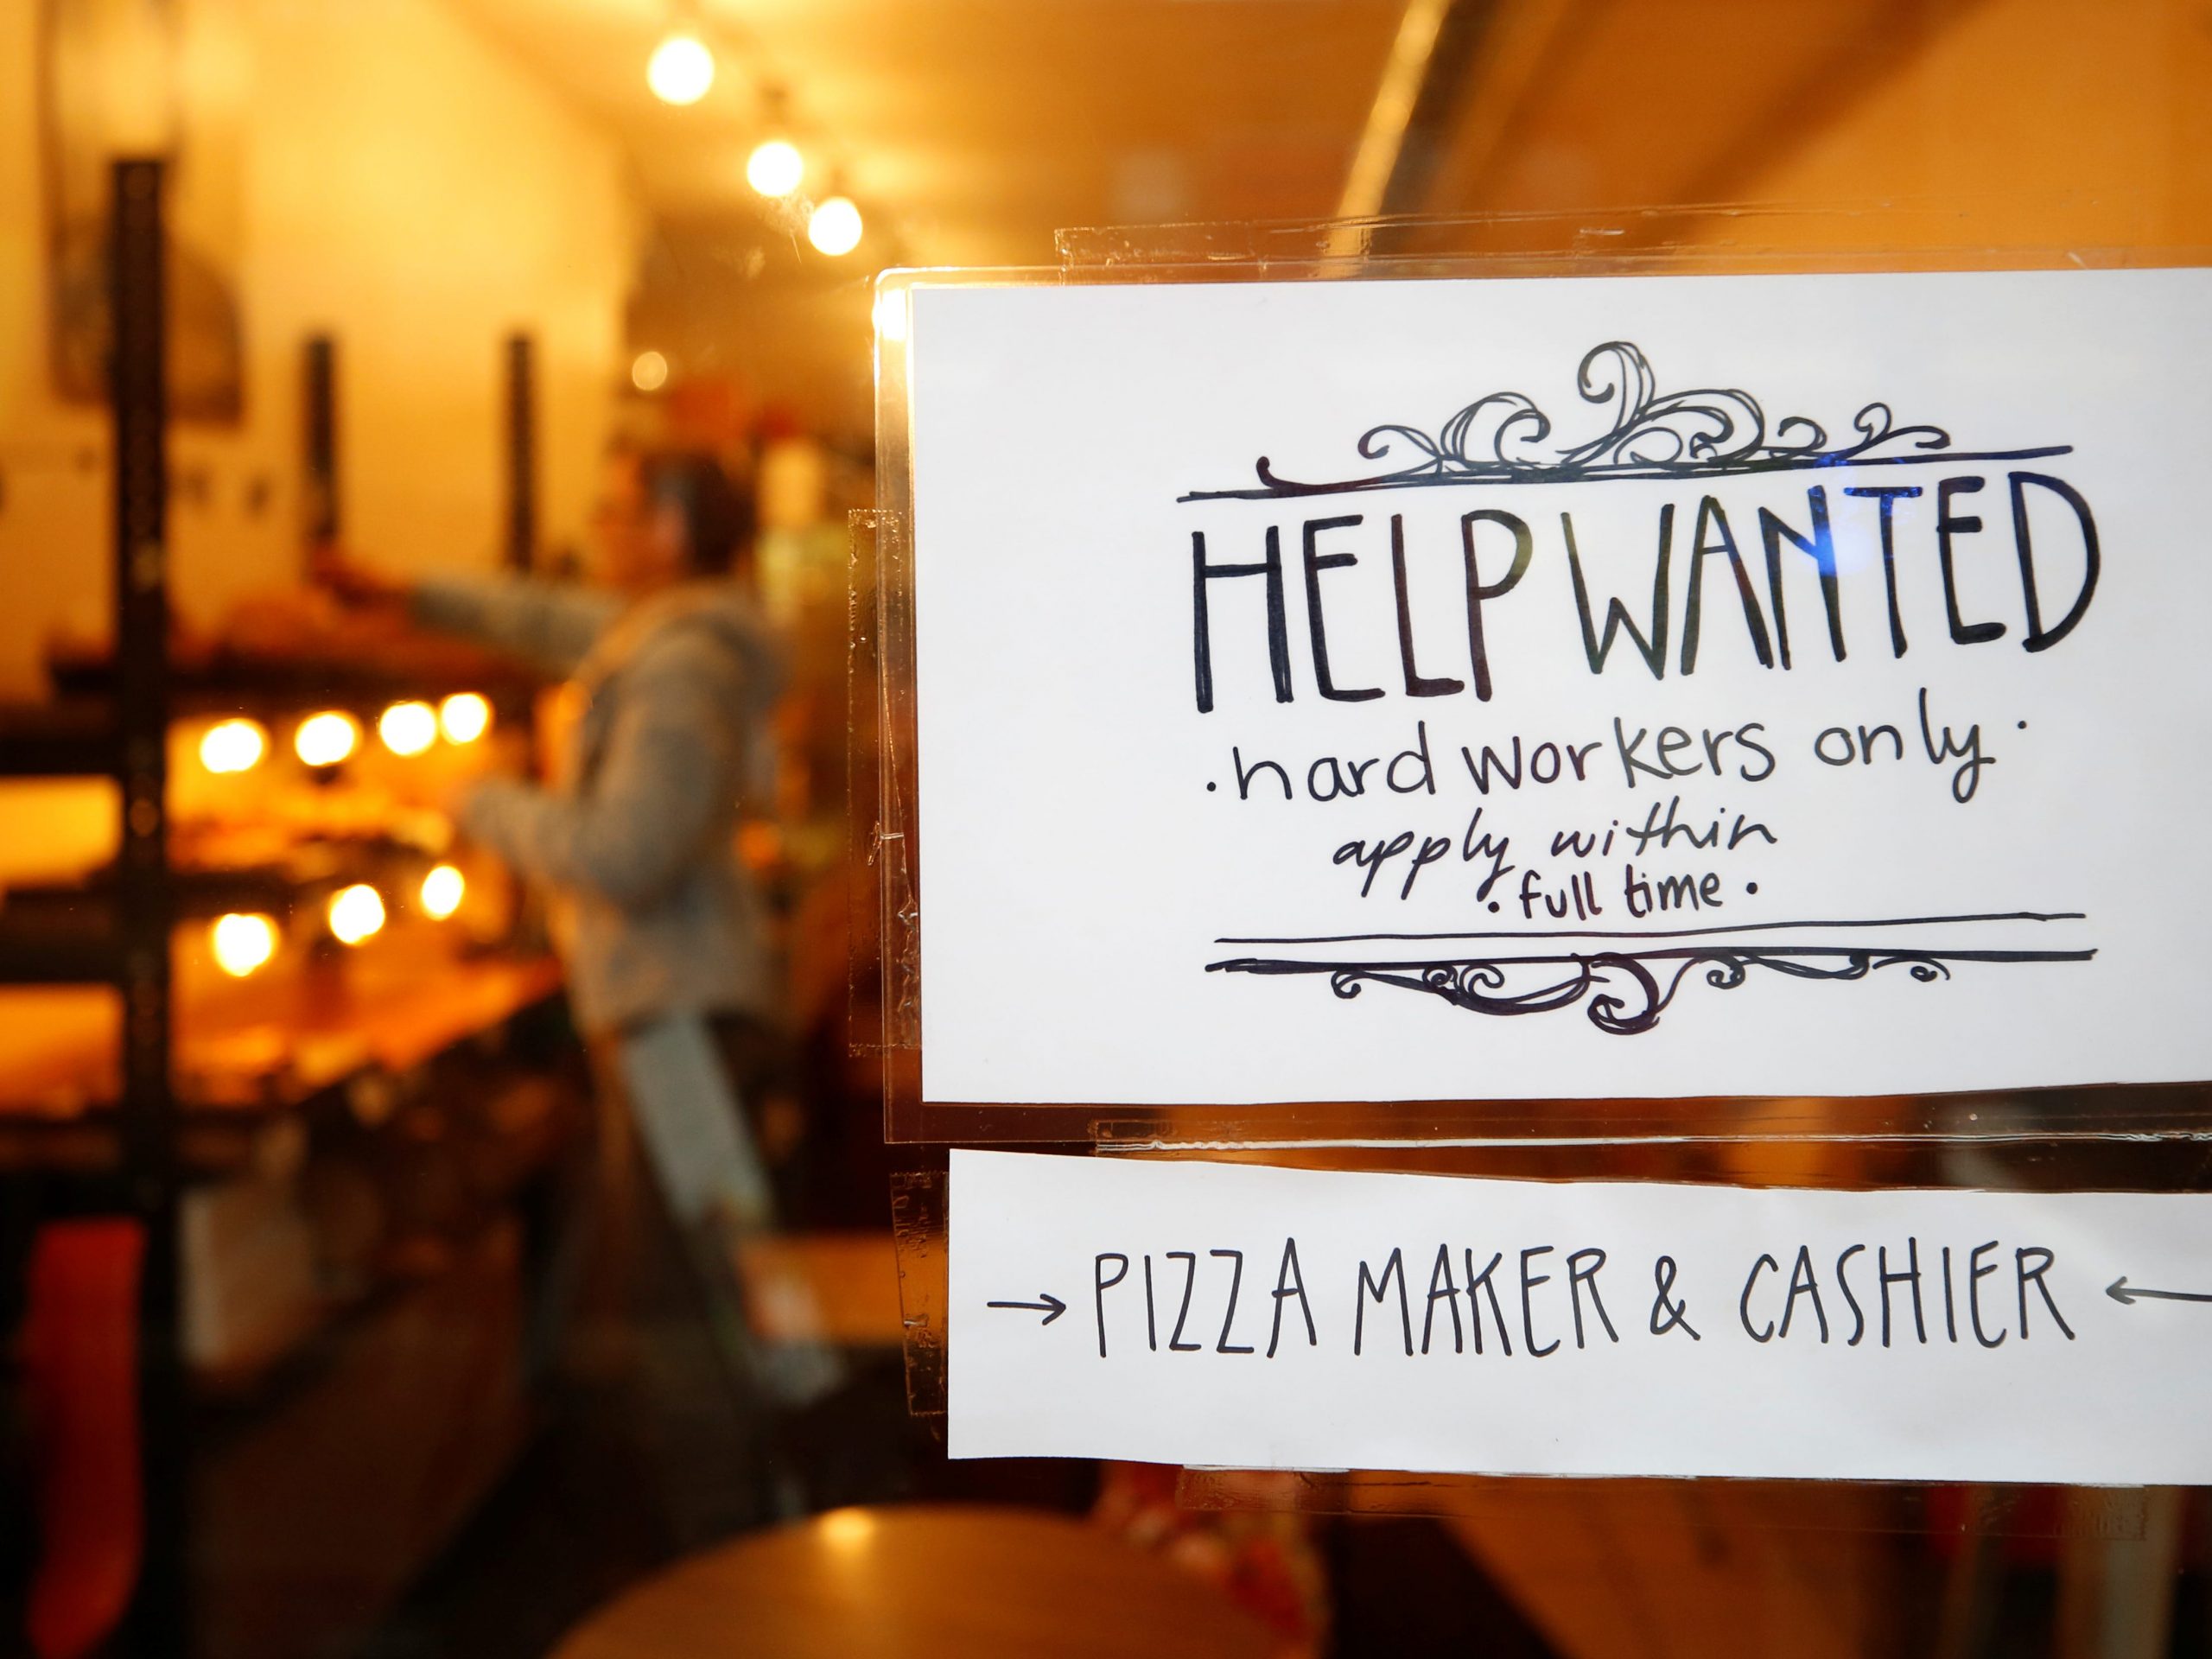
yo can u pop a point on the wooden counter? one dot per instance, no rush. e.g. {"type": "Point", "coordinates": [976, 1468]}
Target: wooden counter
{"type": "Point", "coordinates": [272, 1041]}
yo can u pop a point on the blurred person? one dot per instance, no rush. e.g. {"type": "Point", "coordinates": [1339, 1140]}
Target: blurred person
{"type": "Point", "coordinates": [672, 676]}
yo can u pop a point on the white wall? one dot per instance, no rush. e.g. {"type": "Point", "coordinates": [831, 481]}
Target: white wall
{"type": "Point", "coordinates": [2055, 123]}
{"type": "Point", "coordinates": [406, 187]}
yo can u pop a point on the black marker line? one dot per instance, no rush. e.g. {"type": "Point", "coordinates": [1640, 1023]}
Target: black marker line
{"type": "Point", "coordinates": [1673, 933]}
{"type": "Point", "coordinates": [2125, 1293]}
{"type": "Point", "coordinates": [1052, 1308]}
{"type": "Point", "coordinates": [1626, 997]}
{"type": "Point", "coordinates": [1285, 489]}
{"type": "Point", "coordinates": [1680, 953]}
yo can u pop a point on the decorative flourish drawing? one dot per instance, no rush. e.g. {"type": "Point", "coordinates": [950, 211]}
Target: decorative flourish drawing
{"type": "Point", "coordinates": [1505, 438]}
{"type": "Point", "coordinates": [1626, 990]}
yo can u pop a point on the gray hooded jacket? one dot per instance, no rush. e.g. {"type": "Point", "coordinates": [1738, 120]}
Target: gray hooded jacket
{"type": "Point", "coordinates": [655, 915]}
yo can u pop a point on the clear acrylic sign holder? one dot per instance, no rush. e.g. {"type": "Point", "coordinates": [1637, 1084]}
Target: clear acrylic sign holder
{"type": "Point", "coordinates": [2146, 1139]}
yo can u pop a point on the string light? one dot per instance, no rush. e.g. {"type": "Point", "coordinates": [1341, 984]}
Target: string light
{"type": "Point", "coordinates": [834, 226]}
{"type": "Point", "coordinates": [775, 168]}
{"type": "Point", "coordinates": [233, 746]}
{"type": "Point", "coordinates": [242, 943]}
{"type": "Point", "coordinates": [680, 70]}
{"type": "Point", "coordinates": [464, 717]}
{"type": "Point", "coordinates": [356, 913]}
{"type": "Point", "coordinates": [326, 738]}
{"type": "Point", "coordinates": [648, 371]}
{"type": "Point", "coordinates": [442, 890]}
{"type": "Point", "coordinates": [408, 728]}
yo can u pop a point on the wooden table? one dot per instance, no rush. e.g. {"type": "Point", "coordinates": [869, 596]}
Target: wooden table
{"type": "Point", "coordinates": [921, 1582]}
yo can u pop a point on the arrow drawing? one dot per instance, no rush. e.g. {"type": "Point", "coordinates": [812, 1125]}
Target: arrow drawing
{"type": "Point", "coordinates": [1052, 1306]}
{"type": "Point", "coordinates": [2121, 1292]}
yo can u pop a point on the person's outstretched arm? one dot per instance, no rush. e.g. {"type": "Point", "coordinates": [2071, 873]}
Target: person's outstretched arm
{"type": "Point", "coordinates": [553, 624]}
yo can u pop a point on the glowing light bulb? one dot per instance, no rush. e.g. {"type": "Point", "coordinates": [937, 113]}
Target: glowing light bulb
{"type": "Point", "coordinates": [408, 728]}
{"type": "Point", "coordinates": [442, 889]}
{"type": "Point", "coordinates": [775, 168]}
{"type": "Point", "coordinates": [648, 371]}
{"type": "Point", "coordinates": [834, 226]}
{"type": "Point", "coordinates": [681, 70]}
{"type": "Point", "coordinates": [356, 913]}
{"type": "Point", "coordinates": [464, 717]}
{"type": "Point", "coordinates": [233, 746]}
{"type": "Point", "coordinates": [324, 739]}
{"type": "Point", "coordinates": [242, 943]}
{"type": "Point", "coordinates": [890, 315]}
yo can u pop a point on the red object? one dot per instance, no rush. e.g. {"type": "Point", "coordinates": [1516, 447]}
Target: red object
{"type": "Point", "coordinates": [81, 1363]}
{"type": "Point", "coordinates": [1264, 1561]}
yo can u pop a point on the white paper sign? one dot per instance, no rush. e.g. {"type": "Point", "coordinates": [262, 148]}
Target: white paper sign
{"type": "Point", "coordinates": [1607, 687]}
{"type": "Point", "coordinates": [1249, 1317]}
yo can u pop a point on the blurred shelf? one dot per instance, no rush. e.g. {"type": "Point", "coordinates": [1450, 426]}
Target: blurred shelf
{"type": "Point", "coordinates": [346, 665]}
{"type": "Point", "coordinates": [68, 935]}
{"type": "Point", "coordinates": [57, 938]}
{"type": "Point", "coordinates": [246, 1049]}
{"type": "Point", "coordinates": [76, 737]}
{"type": "Point", "coordinates": [195, 894]}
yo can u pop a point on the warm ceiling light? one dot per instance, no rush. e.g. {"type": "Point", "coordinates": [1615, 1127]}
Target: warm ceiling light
{"type": "Point", "coordinates": [408, 728]}
{"type": "Point", "coordinates": [464, 717]}
{"type": "Point", "coordinates": [242, 943]}
{"type": "Point", "coordinates": [324, 739]}
{"type": "Point", "coordinates": [834, 226]}
{"type": "Point", "coordinates": [890, 315]}
{"type": "Point", "coordinates": [233, 746]}
{"type": "Point", "coordinates": [775, 168]}
{"type": "Point", "coordinates": [356, 912]}
{"type": "Point", "coordinates": [681, 70]}
{"type": "Point", "coordinates": [441, 891]}
{"type": "Point", "coordinates": [648, 371]}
